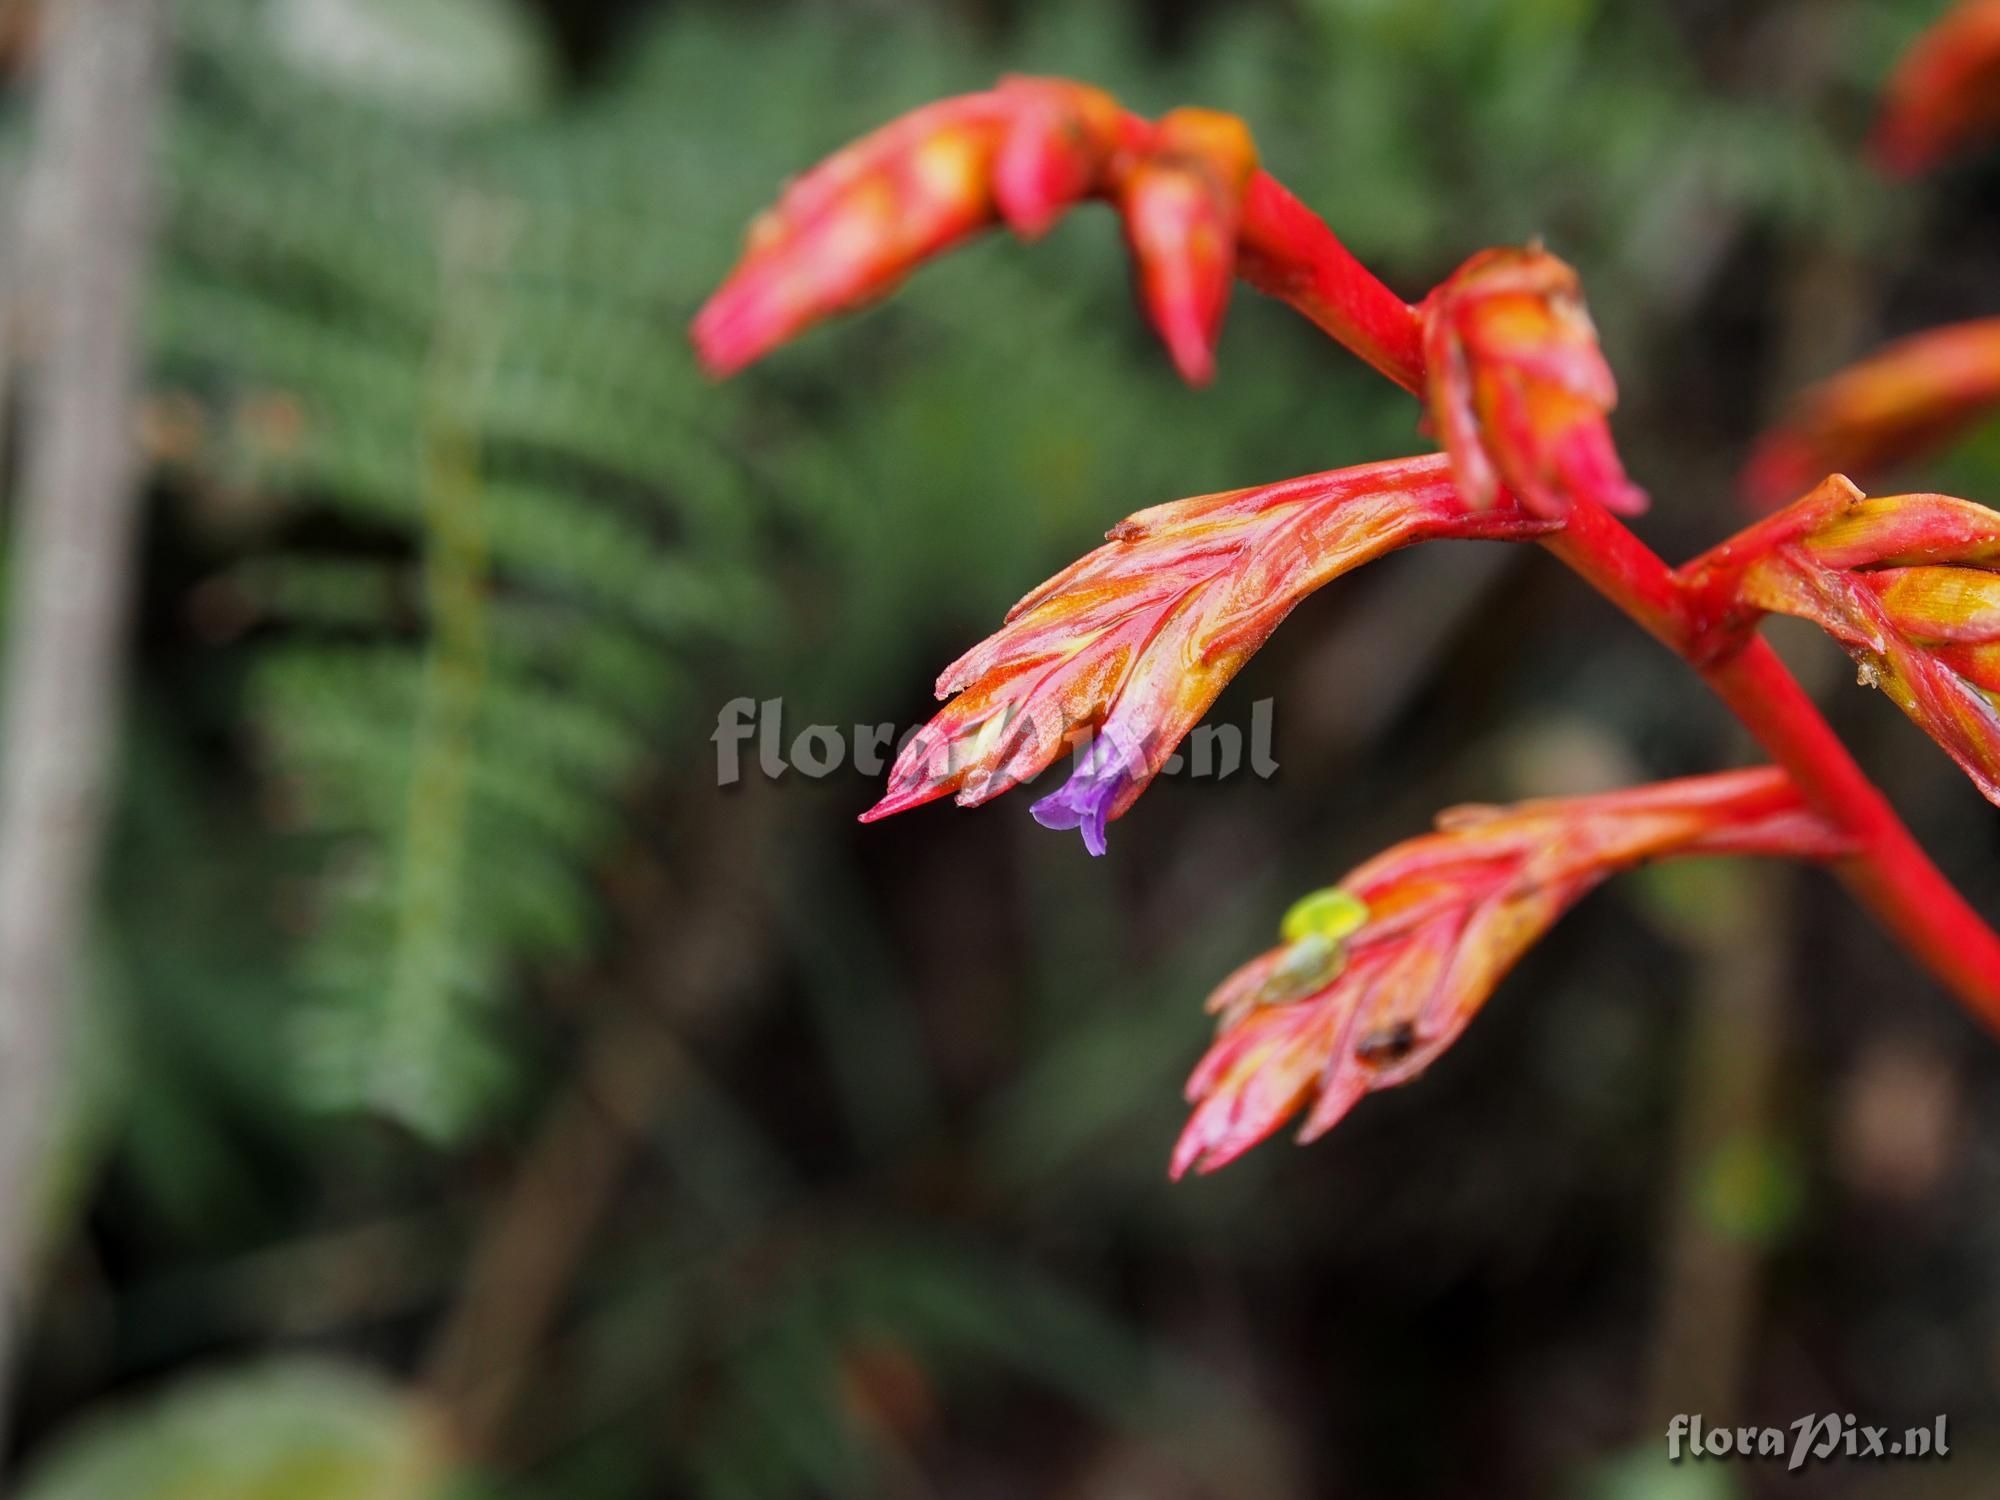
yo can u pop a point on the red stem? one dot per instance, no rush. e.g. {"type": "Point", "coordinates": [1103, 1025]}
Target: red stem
{"type": "Point", "coordinates": [1286, 251]}
{"type": "Point", "coordinates": [1291, 254]}
{"type": "Point", "coordinates": [1889, 873]}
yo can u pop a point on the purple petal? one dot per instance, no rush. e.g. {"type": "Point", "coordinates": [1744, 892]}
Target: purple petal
{"type": "Point", "coordinates": [1084, 801]}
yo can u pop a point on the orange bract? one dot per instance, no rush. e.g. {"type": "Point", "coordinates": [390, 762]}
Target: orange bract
{"type": "Point", "coordinates": [1333, 1015]}
{"type": "Point", "coordinates": [1182, 204]}
{"type": "Point", "coordinates": [1908, 584]}
{"type": "Point", "coordinates": [850, 229]}
{"type": "Point", "coordinates": [1137, 638]}
{"type": "Point", "coordinates": [1518, 388]}
{"type": "Point", "coordinates": [1023, 153]}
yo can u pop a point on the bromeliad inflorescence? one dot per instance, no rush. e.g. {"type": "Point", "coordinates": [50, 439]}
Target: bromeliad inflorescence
{"type": "Point", "coordinates": [1130, 645]}
{"type": "Point", "coordinates": [1121, 654]}
{"type": "Point", "coordinates": [1908, 584]}
{"type": "Point", "coordinates": [1378, 975]}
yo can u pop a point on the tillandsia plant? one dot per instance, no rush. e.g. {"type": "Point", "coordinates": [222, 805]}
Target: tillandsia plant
{"type": "Point", "coordinates": [1123, 652]}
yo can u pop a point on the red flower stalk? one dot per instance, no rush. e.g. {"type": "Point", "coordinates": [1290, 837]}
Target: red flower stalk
{"type": "Point", "coordinates": [1945, 94]}
{"type": "Point", "coordinates": [1910, 398]}
{"type": "Point", "coordinates": [1196, 211]}
{"type": "Point", "coordinates": [1134, 641]}
{"type": "Point", "coordinates": [1519, 389]}
{"type": "Point", "coordinates": [1380, 974]}
{"type": "Point", "coordinates": [1906, 583]}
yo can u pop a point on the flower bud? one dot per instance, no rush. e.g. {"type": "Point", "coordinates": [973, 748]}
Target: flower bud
{"type": "Point", "coordinates": [1518, 388]}
{"type": "Point", "coordinates": [1022, 153]}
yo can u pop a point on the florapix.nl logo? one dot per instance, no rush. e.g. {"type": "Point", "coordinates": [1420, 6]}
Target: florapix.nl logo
{"type": "Point", "coordinates": [752, 737]}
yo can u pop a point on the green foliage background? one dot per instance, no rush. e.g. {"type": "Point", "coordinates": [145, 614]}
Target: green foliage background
{"type": "Point", "coordinates": [456, 557]}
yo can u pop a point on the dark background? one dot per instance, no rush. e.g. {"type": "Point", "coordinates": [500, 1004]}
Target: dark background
{"type": "Point", "coordinates": [475, 1099]}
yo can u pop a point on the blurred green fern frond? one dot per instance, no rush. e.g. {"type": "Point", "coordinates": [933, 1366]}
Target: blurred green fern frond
{"type": "Point", "coordinates": [417, 365]}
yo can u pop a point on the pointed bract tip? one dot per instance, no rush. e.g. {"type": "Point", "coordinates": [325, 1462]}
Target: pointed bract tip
{"type": "Point", "coordinates": [901, 799]}
{"type": "Point", "coordinates": [1198, 1152]}
{"type": "Point", "coordinates": [718, 351]}
{"type": "Point", "coordinates": [1183, 206]}
{"type": "Point", "coordinates": [1192, 353]}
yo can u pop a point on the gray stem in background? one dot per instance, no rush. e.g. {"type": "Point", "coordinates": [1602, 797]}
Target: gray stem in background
{"type": "Point", "coordinates": [85, 236]}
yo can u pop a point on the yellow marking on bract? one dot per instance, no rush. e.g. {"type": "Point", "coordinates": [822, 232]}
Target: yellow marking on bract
{"type": "Point", "coordinates": [951, 166]}
{"type": "Point", "coordinates": [1945, 602]}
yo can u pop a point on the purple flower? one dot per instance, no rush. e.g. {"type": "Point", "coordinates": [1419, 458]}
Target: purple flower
{"type": "Point", "coordinates": [1085, 800]}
